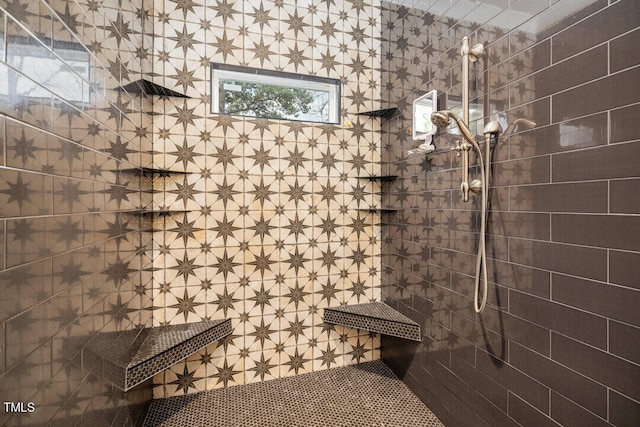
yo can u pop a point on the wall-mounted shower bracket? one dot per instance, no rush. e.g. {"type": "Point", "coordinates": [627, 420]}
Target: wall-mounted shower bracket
{"type": "Point", "coordinates": [469, 54]}
{"type": "Point", "coordinates": [463, 148]}
{"type": "Point", "coordinates": [474, 52]}
{"type": "Point", "coordinates": [492, 130]}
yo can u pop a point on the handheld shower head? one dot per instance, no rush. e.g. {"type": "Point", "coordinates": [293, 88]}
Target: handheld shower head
{"type": "Point", "coordinates": [442, 119]}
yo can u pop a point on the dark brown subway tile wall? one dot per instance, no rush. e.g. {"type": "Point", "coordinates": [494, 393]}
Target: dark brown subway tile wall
{"type": "Point", "coordinates": [74, 255]}
{"type": "Point", "coordinates": [559, 342]}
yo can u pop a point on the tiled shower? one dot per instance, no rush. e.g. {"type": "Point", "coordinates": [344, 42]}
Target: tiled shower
{"type": "Point", "coordinates": [558, 342]}
{"type": "Point", "coordinates": [124, 211]}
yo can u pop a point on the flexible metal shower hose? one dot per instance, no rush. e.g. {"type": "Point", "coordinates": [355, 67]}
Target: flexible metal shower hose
{"type": "Point", "coordinates": [481, 259]}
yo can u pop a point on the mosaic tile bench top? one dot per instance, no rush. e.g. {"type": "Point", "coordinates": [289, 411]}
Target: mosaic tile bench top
{"type": "Point", "coordinates": [364, 395]}
{"type": "Point", "coordinates": [131, 357]}
{"type": "Point", "coordinates": [376, 317]}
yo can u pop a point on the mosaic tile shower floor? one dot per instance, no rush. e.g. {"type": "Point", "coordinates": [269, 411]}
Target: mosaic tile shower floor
{"type": "Point", "coordinates": [363, 395]}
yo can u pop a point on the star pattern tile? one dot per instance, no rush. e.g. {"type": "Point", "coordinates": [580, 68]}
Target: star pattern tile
{"type": "Point", "coordinates": [260, 235]}
{"type": "Point", "coordinates": [76, 260]}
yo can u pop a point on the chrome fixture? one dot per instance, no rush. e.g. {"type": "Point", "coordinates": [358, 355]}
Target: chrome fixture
{"type": "Point", "coordinates": [492, 130]}
{"type": "Point", "coordinates": [442, 119]}
{"type": "Point", "coordinates": [469, 54]}
{"type": "Point", "coordinates": [478, 186]}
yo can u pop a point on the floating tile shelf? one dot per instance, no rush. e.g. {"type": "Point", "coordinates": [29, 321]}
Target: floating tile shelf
{"type": "Point", "coordinates": [154, 171]}
{"type": "Point", "coordinates": [385, 113]}
{"type": "Point", "coordinates": [376, 317]}
{"type": "Point", "coordinates": [379, 177]}
{"type": "Point", "coordinates": [146, 87]}
{"type": "Point", "coordinates": [162, 172]}
{"type": "Point", "coordinates": [380, 210]}
{"type": "Point", "coordinates": [161, 212]}
{"type": "Point", "coordinates": [132, 357]}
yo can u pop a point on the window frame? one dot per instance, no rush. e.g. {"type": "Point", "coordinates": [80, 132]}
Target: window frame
{"type": "Point", "coordinates": [276, 78]}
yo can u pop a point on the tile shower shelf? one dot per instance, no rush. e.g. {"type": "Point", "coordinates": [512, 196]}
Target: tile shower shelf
{"type": "Point", "coordinates": [380, 210]}
{"type": "Point", "coordinates": [375, 317]}
{"type": "Point", "coordinates": [383, 178]}
{"type": "Point", "coordinates": [385, 113]}
{"type": "Point", "coordinates": [162, 172]}
{"type": "Point", "coordinates": [160, 212]}
{"type": "Point", "coordinates": [154, 172]}
{"type": "Point", "coordinates": [132, 357]}
{"type": "Point", "coordinates": [146, 87]}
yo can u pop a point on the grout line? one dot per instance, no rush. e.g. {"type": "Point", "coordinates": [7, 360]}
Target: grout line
{"type": "Point", "coordinates": [608, 141]}
{"type": "Point", "coordinates": [608, 265]}
{"type": "Point", "coordinates": [609, 196]}
{"type": "Point", "coordinates": [4, 40]}
{"type": "Point", "coordinates": [608, 334]}
{"type": "Point", "coordinates": [608, 57]}
{"type": "Point", "coordinates": [608, 418]}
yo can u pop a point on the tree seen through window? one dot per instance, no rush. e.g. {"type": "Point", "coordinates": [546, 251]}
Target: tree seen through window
{"type": "Point", "coordinates": [271, 101]}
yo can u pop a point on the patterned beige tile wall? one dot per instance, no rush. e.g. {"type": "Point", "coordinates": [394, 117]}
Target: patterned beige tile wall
{"type": "Point", "coordinates": [272, 233]}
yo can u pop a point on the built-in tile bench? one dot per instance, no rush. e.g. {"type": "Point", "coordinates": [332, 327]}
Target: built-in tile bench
{"type": "Point", "coordinates": [131, 357]}
{"type": "Point", "coordinates": [376, 317]}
